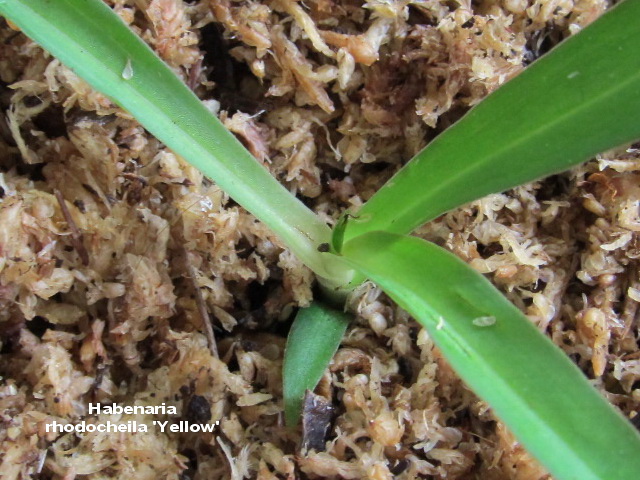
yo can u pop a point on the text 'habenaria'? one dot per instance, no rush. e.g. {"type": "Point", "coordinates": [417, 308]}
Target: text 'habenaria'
{"type": "Point", "coordinates": [114, 409]}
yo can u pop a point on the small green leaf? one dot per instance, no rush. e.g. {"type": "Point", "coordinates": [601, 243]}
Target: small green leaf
{"type": "Point", "coordinates": [337, 237]}
{"type": "Point", "coordinates": [313, 340]}
{"type": "Point", "coordinates": [531, 385]}
{"type": "Point", "coordinates": [578, 100]}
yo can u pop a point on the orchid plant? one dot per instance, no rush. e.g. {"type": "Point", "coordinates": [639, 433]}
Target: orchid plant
{"type": "Point", "coordinates": [580, 99]}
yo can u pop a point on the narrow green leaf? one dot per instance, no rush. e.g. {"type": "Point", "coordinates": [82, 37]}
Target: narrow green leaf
{"type": "Point", "coordinates": [313, 340]}
{"type": "Point", "coordinates": [531, 385]}
{"type": "Point", "coordinates": [580, 99]}
{"type": "Point", "coordinates": [88, 37]}
{"type": "Point", "coordinates": [337, 239]}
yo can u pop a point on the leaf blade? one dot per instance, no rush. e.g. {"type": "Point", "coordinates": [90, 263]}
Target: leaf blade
{"type": "Point", "coordinates": [580, 99]}
{"type": "Point", "coordinates": [549, 405]}
{"type": "Point", "coordinates": [313, 340]}
{"type": "Point", "coordinates": [120, 65]}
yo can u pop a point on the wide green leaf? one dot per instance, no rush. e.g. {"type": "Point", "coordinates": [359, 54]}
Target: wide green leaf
{"type": "Point", "coordinates": [530, 384]}
{"type": "Point", "coordinates": [313, 340]}
{"type": "Point", "coordinates": [88, 37]}
{"type": "Point", "coordinates": [580, 99]}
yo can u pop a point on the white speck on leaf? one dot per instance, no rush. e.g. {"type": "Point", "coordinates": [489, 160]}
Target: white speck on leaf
{"type": "Point", "coordinates": [440, 323]}
{"type": "Point", "coordinates": [127, 73]}
{"type": "Point", "coordinates": [573, 75]}
{"type": "Point", "coordinates": [484, 321]}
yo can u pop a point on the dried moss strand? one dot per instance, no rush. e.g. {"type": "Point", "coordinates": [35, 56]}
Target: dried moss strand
{"type": "Point", "coordinates": [202, 307]}
{"type": "Point", "coordinates": [76, 236]}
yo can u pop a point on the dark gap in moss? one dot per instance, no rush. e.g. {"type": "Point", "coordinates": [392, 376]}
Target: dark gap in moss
{"type": "Point", "coordinates": [258, 294]}
{"type": "Point", "coordinates": [489, 250]}
{"type": "Point", "coordinates": [540, 42]}
{"type": "Point", "coordinates": [39, 325]}
{"type": "Point", "coordinates": [192, 464]}
{"type": "Point", "coordinates": [553, 187]}
{"type": "Point", "coordinates": [281, 329]}
{"type": "Point", "coordinates": [149, 359]}
{"type": "Point", "coordinates": [31, 170]}
{"type": "Point", "coordinates": [51, 121]}
{"type": "Point", "coordinates": [236, 88]}
{"type": "Point", "coordinates": [455, 113]}
{"type": "Point", "coordinates": [9, 342]}
{"type": "Point", "coordinates": [31, 101]}
{"type": "Point", "coordinates": [538, 286]}
{"type": "Point", "coordinates": [400, 466]}
{"type": "Point", "coordinates": [405, 368]}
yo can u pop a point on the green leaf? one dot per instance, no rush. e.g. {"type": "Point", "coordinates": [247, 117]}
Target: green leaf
{"type": "Point", "coordinates": [530, 384]}
{"type": "Point", "coordinates": [313, 340]}
{"type": "Point", "coordinates": [88, 37]}
{"type": "Point", "coordinates": [580, 99]}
